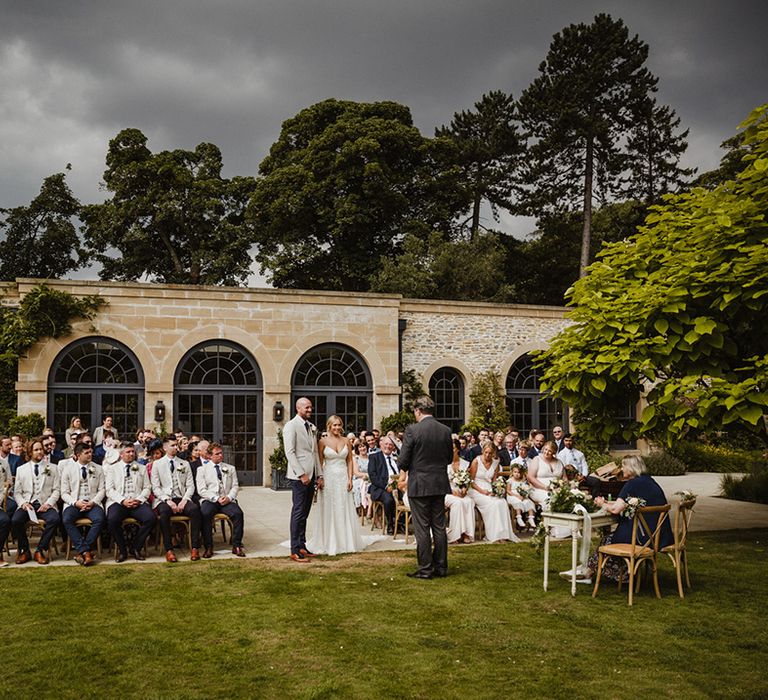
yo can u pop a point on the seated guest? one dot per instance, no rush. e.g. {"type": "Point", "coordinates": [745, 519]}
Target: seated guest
{"type": "Point", "coordinates": [508, 453]}
{"type": "Point", "coordinates": [517, 485]}
{"type": "Point", "coordinates": [537, 443]}
{"type": "Point", "coordinates": [18, 455]}
{"type": "Point", "coordinates": [82, 490]}
{"type": "Point", "coordinates": [484, 470]}
{"type": "Point", "coordinates": [98, 434]}
{"type": "Point", "coordinates": [36, 491]}
{"type": "Point", "coordinates": [5, 447]}
{"type": "Point", "coordinates": [52, 455]}
{"type": "Point", "coordinates": [639, 485]}
{"type": "Point", "coordinates": [571, 457]}
{"type": "Point", "coordinates": [107, 452]}
{"type": "Point", "coordinates": [173, 489]}
{"type": "Point", "coordinates": [542, 471]}
{"type": "Point", "coordinates": [7, 504]}
{"type": "Point", "coordinates": [558, 437]}
{"type": "Point", "coordinates": [128, 489]}
{"type": "Point", "coordinates": [522, 455]}
{"type": "Point", "coordinates": [201, 458]}
{"type": "Point", "coordinates": [75, 426]}
{"type": "Point", "coordinates": [217, 485]}
{"type": "Point", "coordinates": [461, 519]}
{"type": "Point", "coordinates": [382, 465]}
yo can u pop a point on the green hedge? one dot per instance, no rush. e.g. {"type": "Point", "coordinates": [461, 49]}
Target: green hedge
{"type": "Point", "coordinates": [753, 487]}
{"type": "Point", "coordinates": [701, 457]}
{"type": "Point", "coordinates": [30, 425]}
{"type": "Point", "coordinates": [664, 464]}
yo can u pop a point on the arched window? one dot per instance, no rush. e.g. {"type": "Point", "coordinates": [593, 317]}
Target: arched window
{"type": "Point", "coordinates": [218, 396]}
{"type": "Point", "coordinates": [337, 381]}
{"type": "Point", "coordinates": [92, 378]}
{"type": "Point", "coordinates": [446, 387]}
{"type": "Point", "coordinates": [527, 406]}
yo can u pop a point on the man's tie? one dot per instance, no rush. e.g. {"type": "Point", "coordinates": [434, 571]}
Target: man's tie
{"type": "Point", "coordinates": [127, 470]}
{"type": "Point", "coordinates": [391, 466]}
{"type": "Point", "coordinates": [306, 425]}
{"type": "Point", "coordinates": [218, 471]}
{"type": "Point", "coordinates": [172, 467]}
{"type": "Point", "coordinates": [82, 472]}
{"type": "Point", "coordinates": [37, 470]}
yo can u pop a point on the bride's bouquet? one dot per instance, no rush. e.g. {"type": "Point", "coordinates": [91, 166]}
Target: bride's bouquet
{"type": "Point", "coordinates": [499, 487]}
{"type": "Point", "coordinates": [461, 480]}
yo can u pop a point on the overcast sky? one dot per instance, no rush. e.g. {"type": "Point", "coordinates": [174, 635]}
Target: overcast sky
{"type": "Point", "coordinates": [73, 74]}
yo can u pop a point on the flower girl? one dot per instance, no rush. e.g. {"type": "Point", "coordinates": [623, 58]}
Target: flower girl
{"type": "Point", "coordinates": [518, 496]}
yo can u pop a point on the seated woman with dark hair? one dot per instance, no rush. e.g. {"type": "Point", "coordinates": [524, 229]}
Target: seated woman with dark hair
{"type": "Point", "coordinates": [640, 484]}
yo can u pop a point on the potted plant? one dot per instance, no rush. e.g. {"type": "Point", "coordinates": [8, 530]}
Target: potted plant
{"type": "Point", "coordinates": [279, 463]}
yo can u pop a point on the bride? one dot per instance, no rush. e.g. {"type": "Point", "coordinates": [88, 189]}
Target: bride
{"type": "Point", "coordinates": [336, 525]}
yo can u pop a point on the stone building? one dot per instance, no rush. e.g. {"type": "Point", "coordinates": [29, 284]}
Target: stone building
{"type": "Point", "coordinates": [227, 362]}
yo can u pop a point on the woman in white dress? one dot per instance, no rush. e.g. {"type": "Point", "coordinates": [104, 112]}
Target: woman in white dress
{"type": "Point", "coordinates": [542, 470]}
{"type": "Point", "coordinates": [360, 476]}
{"type": "Point", "coordinates": [461, 519]}
{"type": "Point", "coordinates": [336, 527]}
{"type": "Point", "coordinates": [495, 512]}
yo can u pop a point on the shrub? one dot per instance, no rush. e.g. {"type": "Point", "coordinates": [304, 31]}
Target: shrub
{"type": "Point", "coordinates": [30, 425]}
{"type": "Point", "coordinates": [397, 422]}
{"type": "Point", "coordinates": [701, 457]}
{"type": "Point", "coordinates": [664, 464]}
{"type": "Point", "coordinates": [6, 416]}
{"type": "Point", "coordinates": [752, 487]}
{"type": "Point", "coordinates": [596, 457]}
{"type": "Point", "coordinates": [277, 460]}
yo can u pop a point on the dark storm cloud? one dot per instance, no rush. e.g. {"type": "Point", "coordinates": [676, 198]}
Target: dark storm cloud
{"type": "Point", "coordinates": [73, 74]}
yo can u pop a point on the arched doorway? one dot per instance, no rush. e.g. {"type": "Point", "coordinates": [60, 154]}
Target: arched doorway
{"type": "Point", "coordinates": [92, 378]}
{"type": "Point", "coordinates": [528, 407]}
{"type": "Point", "coordinates": [337, 381]}
{"type": "Point", "coordinates": [446, 387]}
{"type": "Point", "coordinates": [218, 395]}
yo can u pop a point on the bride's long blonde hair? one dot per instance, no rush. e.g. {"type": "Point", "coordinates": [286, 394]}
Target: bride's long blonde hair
{"type": "Point", "coordinates": [331, 420]}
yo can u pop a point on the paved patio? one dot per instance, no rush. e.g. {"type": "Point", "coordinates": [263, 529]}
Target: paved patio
{"type": "Point", "coordinates": [267, 514]}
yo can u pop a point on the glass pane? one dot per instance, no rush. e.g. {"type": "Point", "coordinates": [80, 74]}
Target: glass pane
{"type": "Point", "coordinates": [96, 361]}
{"type": "Point", "coordinates": [447, 390]}
{"type": "Point", "coordinates": [217, 364]}
{"type": "Point", "coordinates": [331, 366]}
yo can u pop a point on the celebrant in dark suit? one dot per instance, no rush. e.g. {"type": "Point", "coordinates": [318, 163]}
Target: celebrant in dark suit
{"type": "Point", "coordinates": [427, 448]}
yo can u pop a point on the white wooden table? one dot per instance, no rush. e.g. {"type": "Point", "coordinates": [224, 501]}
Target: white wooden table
{"type": "Point", "coordinates": [574, 521]}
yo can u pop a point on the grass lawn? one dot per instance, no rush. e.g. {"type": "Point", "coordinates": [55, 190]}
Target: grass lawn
{"type": "Point", "coordinates": [355, 626]}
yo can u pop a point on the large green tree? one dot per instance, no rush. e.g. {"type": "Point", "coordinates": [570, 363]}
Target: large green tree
{"type": "Point", "coordinates": [340, 188]}
{"type": "Point", "coordinates": [486, 150]}
{"type": "Point", "coordinates": [172, 217]}
{"type": "Point", "coordinates": [592, 91]}
{"type": "Point", "coordinates": [678, 311]}
{"type": "Point", "coordinates": [40, 240]}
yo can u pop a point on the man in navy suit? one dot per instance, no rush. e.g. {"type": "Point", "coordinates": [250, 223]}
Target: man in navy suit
{"type": "Point", "coordinates": [427, 452]}
{"type": "Point", "coordinates": [382, 465]}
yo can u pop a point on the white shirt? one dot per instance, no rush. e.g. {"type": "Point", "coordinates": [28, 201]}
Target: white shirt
{"type": "Point", "coordinates": [576, 458]}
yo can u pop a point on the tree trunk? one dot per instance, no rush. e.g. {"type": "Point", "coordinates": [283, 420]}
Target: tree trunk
{"type": "Point", "coordinates": [586, 233]}
{"type": "Point", "coordinates": [475, 215]}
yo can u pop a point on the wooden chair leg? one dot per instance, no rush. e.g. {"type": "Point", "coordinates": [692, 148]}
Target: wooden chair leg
{"type": "Point", "coordinates": [599, 573]}
{"type": "Point", "coordinates": [631, 581]}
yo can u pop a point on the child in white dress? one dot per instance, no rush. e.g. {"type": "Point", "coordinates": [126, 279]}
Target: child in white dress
{"type": "Point", "coordinates": [517, 496]}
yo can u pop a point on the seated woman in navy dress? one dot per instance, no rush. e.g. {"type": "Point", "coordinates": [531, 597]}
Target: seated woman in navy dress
{"type": "Point", "coordinates": [640, 485]}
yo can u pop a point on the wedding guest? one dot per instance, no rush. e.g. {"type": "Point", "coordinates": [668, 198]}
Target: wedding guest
{"type": "Point", "coordinates": [461, 516]}
{"type": "Point", "coordinates": [218, 488]}
{"type": "Point", "coordinates": [82, 490]}
{"type": "Point", "coordinates": [7, 503]}
{"type": "Point", "coordinates": [509, 452]}
{"type": "Point", "coordinates": [75, 426]}
{"type": "Point", "coordinates": [542, 470]}
{"type": "Point", "coordinates": [382, 466]}
{"type": "Point", "coordinates": [360, 480]}
{"type": "Point", "coordinates": [572, 457]}
{"type": "Point", "coordinates": [522, 455]}
{"type": "Point", "coordinates": [494, 510]}
{"type": "Point", "coordinates": [98, 434]}
{"type": "Point", "coordinates": [557, 437]}
{"type": "Point", "coordinates": [518, 497]}
{"type": "Point", "coordinates": [537, 443]}
{"type": "Point", "coordinates": [17, 456]}
{"type": "Point", "coordinates": [128, 489]}
{"type": "Point", "coordinates": [36, 491]}
{"type": "Point", "coordinates": [52, 455]}
{"type": "Point", "coordinates": [639, 485]}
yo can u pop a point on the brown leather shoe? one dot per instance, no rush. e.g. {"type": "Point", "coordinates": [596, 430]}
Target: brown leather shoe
{"type": "Point", "coordinates": [22, 557]}
{"type": "Point", "coordinates": [300, 558]}
{"type": "Point", "coordinates": [137, 555]}
{"type": "Point", "coordinates": [39, 557]}
{"type": "Point", "coordinates": [307, 553]}
{"type": "Point", "coordinates": [170, 556]}
{"type": "Point", "coordinates": [88, 558]}
{"type": "Point", "coordinates": [208, 553]}
{"type": "Point", "coordinates": [195, 554]}
{"type": "Point", "coordinates": [80, 559]}
{"type": "Point", "coordinates": [239, 551]}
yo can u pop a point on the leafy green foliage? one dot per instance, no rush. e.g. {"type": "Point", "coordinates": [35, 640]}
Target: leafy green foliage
{"type": "Point", "coordinates": [679, 309]}
{"type": "Point", "coordinates": [398, 421]}
{"type": "Point", "coordinates": [277, 460]}
{"type": "Point", "coordinates": [412, 387]}
{"type": "Point", "coordinates": [172, 218]}
{"type": "Point", "coordinates": [489, 408]}
{"type": "Point", "coordinates": [40, 239]}
{"type": "Point", "coordinates": [702, 457]}
{"type": "Point", "coordinates": [340, 187]}
{"type": "Point", "coordinates": [30, 425]}
{"type": "Point", "coordinates": [486, 150]}
{"type": "Point", "coordinates": [664, 463]}
{"type": "Point", "coordinates": [751, 487]}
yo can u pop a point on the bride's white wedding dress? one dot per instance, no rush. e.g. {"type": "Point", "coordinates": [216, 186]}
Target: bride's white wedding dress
{"type": "Point", "coordinates": [336, 528]}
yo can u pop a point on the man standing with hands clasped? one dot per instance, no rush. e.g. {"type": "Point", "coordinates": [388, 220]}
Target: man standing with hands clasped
{"type": "Point", "coordinates": [300, 443]}
{"type": "Point", "coordinates": [427, 452]}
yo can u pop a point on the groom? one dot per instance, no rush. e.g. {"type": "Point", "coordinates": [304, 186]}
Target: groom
{"type": "Point", "coordinates": [300, 443]}
{"type": "Point", "coordinates": [427, 452]}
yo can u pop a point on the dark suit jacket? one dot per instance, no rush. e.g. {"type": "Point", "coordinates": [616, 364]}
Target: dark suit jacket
{"type": "Point", "coordinates": [474, 451]}
{"type": "Point", "coordinates": [194, 465]}
{"type": "Point", "coordinates": [378, 473]}
{"type": "Point", "coordinates": [15, 461]}
{"type": "Point", "coordinates": [505, 459]}
{"type": "Point", "coordinates": [427, 452]}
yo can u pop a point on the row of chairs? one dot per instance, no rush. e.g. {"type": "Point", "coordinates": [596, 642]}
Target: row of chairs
{"type": "Point", "coordinates": [643, 550]}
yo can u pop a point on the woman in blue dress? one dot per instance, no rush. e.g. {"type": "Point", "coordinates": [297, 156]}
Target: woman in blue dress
{"type": "Point", "coordinates": [640, 484]}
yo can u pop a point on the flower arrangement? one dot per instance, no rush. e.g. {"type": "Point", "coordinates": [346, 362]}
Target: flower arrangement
{"type": "Point", "coordinates": [686, 496]}
{"type": "Point", "coordinates": [562, 498]}
{"type": "Point", "coordinates": [633, 503]}
{"type": "Point", "coordinates": [524, 490]}
{"type": "Point", "coordinates": [499, 487]}
{"type": "Point", "coordinates": [538, 537]}
{"type": "Point", "coordinates": [461, 479]}
{"type": "Point", "coordinates": [393, 479]}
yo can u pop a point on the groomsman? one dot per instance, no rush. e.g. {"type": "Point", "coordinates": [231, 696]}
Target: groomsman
{"type": "Point", "coordinates": [128, 489]}
{"type": "Point", "coordinates": [173, 487]}
{"type": "Point", "coordinates": [37, 491]}
{"type": "Point", "coordinates": [7, 504]}
{"type": "Point", "coordinates": [382, 466]}
{"type": "Point", "coordinates": [82, 490]}
{"type": "Point", "coordinates": [218, 487]}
